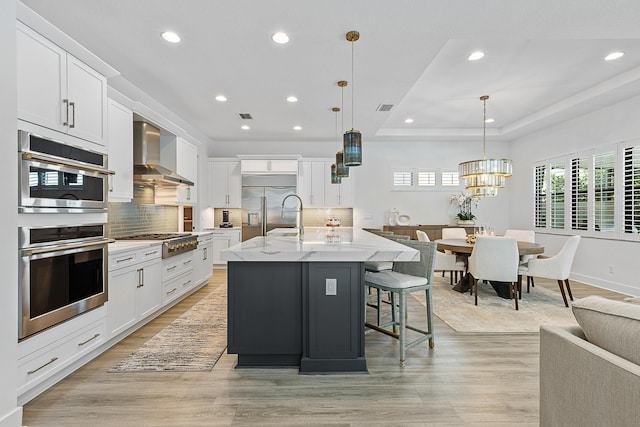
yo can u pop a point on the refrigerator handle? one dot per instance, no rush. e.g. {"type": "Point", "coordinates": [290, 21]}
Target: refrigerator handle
{"type": "Point", "coordinates": [263, 215]}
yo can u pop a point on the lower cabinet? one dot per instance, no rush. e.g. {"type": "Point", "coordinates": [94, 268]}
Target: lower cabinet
{"type": "Point", "coordinates": [177, 276]}
{"type": "Point", "coordinates": [203, 259]}
{"type": "Point", "coordinates": [222, 239]}
{"type": "Point", "coordinates": [134, 293]}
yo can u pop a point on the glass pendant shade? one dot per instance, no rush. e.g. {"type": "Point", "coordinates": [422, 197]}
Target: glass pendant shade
{"type": "Point", "coordinates": [352, 148]}
{"type": "Point", "coordinates": [341, 170]}
{"type": "Point", "coordinates": [335, 179]}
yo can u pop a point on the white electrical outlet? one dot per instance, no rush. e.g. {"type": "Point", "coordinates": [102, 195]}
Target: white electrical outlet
{"type": "Point", "coordinates": [331, 286]}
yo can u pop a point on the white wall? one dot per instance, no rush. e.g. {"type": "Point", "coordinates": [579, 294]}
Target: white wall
{"type": "Point", "coordinates": [607, 126]}
{"type": "Point", "coordinates": [10, 414]}
{"type": "Point", "coordinates": [373, 197]}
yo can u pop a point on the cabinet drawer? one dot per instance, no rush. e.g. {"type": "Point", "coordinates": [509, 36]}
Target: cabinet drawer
{"type": "Point", "coordinates": [152, 252]}
{"type": "Point", "coordinates": [40, 365]}
{"type": "Point", "coordinates": [221, 233]}
{"type": "Point", "coordinates": [122, 259]}
{"type": "Point", "coordinates": [176, 265]}
{"type": "Point", "coordinates": [176, 287]}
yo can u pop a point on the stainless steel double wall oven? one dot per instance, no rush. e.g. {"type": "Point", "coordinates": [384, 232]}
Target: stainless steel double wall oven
{"type": "Point", "coordinates": [62, 259]}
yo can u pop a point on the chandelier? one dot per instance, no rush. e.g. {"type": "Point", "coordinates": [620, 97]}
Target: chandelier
{"type": "Point", "coordinates": [484, 177]}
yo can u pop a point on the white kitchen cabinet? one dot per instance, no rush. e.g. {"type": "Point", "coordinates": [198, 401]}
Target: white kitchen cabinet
{"type": "Point", "coordinates": [225, 182]}
{"type": "Point", "coordinates": [312, 179]}
{"type": "Point", "coordinates": [222, 239]}
{"type": "Point", "coordinates": [57, 91]}
{"type": "Point", "coordinates": [203, 259]}
{"type": "Point", "coordinates": [135, 282]}
{"type": "Point", "coordinates": [120, 135]}
{"type": "Point", "coordinates": [187, 166]}
{"type": "Point", "coordinates": [338, 195]}
{"type": "Point", "coordinates": [271, 166]}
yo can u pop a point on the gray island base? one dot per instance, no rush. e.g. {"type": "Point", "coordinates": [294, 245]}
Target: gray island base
{"type": "Point", "coordinates": [301, 304]}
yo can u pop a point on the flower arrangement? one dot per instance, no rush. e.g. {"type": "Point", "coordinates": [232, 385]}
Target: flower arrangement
{"type": "Point", "coordinates": [465, 203]}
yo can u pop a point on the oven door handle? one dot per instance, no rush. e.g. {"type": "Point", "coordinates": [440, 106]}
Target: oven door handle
{"type": "Point", "coordinates": [66, 246]}
{"type": "Point", "coordinates": [61, 162]}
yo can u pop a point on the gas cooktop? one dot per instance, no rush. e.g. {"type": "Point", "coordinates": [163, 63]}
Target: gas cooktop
{"type": "Point", "coordinates": [172, 243]}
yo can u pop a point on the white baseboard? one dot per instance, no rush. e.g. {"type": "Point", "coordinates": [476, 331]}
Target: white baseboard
{"type": "Point", "coordinates": [605, 284]}
{"type": "Point", "coordinates": [12, 419]}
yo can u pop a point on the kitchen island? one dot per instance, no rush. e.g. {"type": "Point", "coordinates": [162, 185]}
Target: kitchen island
{"type": "Point", "coordinates": [293, 303]}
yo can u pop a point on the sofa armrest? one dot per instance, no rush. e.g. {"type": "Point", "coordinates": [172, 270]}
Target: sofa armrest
{"type": "Point", "coordinates": [582, 384]}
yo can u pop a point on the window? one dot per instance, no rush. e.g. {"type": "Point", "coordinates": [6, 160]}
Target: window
{"type": "Point", "coordinates": [540, 196]}
{"type": "Point", "coordinates": [579, 193]}
{"type": "Point", "coordinates": [604, 192]}
{"type": "Point", "coordinates": [450, 179]}
{"type": "Point", "coordinates": [426, 179]}
{"type": "Point", "coordinates": [557, 195]}
{"type": "Point", "coordinates": [402, 179]}
{"type": "Point", "coordinates": [631, 164]}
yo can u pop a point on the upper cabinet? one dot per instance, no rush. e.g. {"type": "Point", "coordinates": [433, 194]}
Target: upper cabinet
{"type": "Point", "coordinates": [57, 91]}
{"type": "Point", "coordinates": [275, 166]}
{"type": "Point", "coordinates": [187, 166]}
{"type": "Point", "coordinates": [120, 135]}
{"type": "Point", "coordinates": [225, 182]}
{"type": "Point", "coordinates": [315, 187]}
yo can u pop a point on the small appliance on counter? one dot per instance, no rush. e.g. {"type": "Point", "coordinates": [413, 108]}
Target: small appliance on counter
{"type": "Point", "coordinates": [332, 222]}
{"type": "Point", "coordinates": [225, 220]}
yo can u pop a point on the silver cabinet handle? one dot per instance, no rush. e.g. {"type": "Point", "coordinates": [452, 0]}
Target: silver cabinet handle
{"type": "Point", "coordinates": [172, 291]}
{"type": "Point", "coordinates": [140, 277]}
{"type": "Point", "coordinates": [73, 114]}
{"type": "Point", "coordinates": [124, 259]}
{"type": "Point", "coordinates": [89, 340]}
{"type": "Point", "coordinates": [172, 268]}
{"type": "Point", "coordinates": [189, 193]}
{"type": "Point", "coordinates": [204, 254]}
{"type": "Point", "coordinates": [46, 364]}
{"type": "Point", "coordinates": [186, 262]}
{"type": "Point", "coordinates": [186, 283]}
{"type": "Point", "coordinates": [66, 107]}
{"type": "Point", "coordinates": [150, 253]}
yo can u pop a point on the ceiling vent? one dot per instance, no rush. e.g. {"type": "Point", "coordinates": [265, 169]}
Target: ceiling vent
{"type": "Point", "coordinates": [245, 116]}
{"type": "Point", "coordinates": [384, 107]}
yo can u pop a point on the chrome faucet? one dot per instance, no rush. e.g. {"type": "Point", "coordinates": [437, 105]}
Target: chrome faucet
{"type": "Point", "coordinates": [299, 218]}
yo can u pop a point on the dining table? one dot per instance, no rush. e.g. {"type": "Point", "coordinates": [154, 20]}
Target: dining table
{"type": "Point", "coordinates": [463, 248]}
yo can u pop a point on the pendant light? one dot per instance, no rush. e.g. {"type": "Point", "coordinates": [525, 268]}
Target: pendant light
{"type": "Point", "coordinates": [484, 177]}
{"type": "Point", "coordinates": [352, 138]}
{"type": "Point", "coordinates": [341, 170]}
{"type": "Point", "coordinates": [335, 179]}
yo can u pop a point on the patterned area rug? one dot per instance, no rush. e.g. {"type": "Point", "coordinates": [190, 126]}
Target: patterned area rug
{"type": "Point", "coordinates": [191, 343]}
{"type": "Point", "coordinates": [494, 314]}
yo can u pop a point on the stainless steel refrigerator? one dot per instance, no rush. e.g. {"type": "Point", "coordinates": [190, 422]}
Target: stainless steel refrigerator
{"type": "Point", "coordinates": [262, 197]}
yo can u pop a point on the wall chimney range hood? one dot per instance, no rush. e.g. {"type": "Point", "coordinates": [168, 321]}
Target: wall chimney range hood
{"type": "Point", "coordinates": [147, 169]}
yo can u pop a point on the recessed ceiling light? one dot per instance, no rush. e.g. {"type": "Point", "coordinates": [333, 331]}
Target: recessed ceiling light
{"type": "Point", "coordinates": [245, 127]}
{"type": "Point", "coordinates": [614, 55]}
{"type": "Point", "coordinates": [475, 56]}
{"type": "Point", "coordinates": [221, 98]}
{"type": "Point", "coordinates": [292, 99]}
{"type": "Point", "coordinates": [280, 38]}
{"type": "Point", "coordinates": [490, 120]}
{"type": "Point", "coordinates": [171, 37]}
{"type": "Point", "coordinates": [297, 128]}
{"type": "Point", "coordinates": [408, 120]}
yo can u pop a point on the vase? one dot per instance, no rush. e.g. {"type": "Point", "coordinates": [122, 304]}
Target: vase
{"type": "Point", "coordinates": [466, 222]}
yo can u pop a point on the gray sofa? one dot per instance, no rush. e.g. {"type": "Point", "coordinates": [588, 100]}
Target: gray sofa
{"type": "Point", "coordinates": [581, 383]}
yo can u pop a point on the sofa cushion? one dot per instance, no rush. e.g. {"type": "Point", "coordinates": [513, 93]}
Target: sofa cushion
{"type": "Point", "coordinates": [611, 325]}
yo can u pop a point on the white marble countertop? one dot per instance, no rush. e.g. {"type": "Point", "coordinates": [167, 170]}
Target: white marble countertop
{"type": "Point", "coordinates": [321, 244]}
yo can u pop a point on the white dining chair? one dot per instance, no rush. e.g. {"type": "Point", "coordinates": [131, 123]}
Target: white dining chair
{"type": "Point", "coordinates": [524, 236]}
{"type": "Point", "coordinates": [495, 258]}
{"type": "Point", "coordinates": [445, 262]}
{"type": "Point", "coordinates": [557, 267]}
{"type": "Point", "coordinates": [454, 233]}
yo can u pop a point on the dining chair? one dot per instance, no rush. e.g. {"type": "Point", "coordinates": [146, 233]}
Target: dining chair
{"type": "Point", "coordinates": [495, 258]}
{"type": "Point", "coordinates": [407, 277]}
{"type": "Point", "coordinates": [454, 233]}
{"type": "Point", "coordinates": [557, 267]}
{"type": "Point", "coordinates": [524, 236]}
{"type": "Point", "coordinates": [445, 262]}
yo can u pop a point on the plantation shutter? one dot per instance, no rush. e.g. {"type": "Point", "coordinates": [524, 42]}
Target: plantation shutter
{"type": "Point", "coordinates": [604, 192]}
{"type": "Point", "coordinates": [540, 196]}
{"type": "Point", "coordinates": [450, 179]}
{"type": "Point", "coordinates": [579, 193]}
{"type": "Point", "coordinates": [632, 189]}
{"type": "Point", "coordinates": [557, 195]}
{"type": "Point", "coordinates": [402, 179]}
{"type": "Point", "coordinates": [426, 179]}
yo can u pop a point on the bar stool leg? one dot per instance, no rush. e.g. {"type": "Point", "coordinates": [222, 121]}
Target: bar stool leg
{"type": "Point", "coordinates": [403, 324]}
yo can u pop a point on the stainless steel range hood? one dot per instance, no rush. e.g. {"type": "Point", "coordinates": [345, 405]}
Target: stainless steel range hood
{"type": "Point", "coordinates": [147, 169]}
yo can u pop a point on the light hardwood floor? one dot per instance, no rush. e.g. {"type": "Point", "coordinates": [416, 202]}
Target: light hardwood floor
{"type": "Point", "coordinates": [474, 380]}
